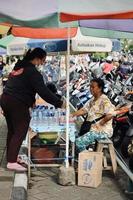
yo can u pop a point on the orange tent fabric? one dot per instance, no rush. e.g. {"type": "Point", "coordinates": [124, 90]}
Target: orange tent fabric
{"type": "Point", "coordinates": [43, 33]}
{"type": "Point", "coordinates": [66, 17]}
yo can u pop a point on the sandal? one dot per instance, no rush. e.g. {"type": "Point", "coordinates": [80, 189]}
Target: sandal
{"type": "Point", "coordinates": [16, 167]}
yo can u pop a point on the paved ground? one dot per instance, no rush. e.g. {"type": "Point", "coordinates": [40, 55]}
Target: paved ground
{"type": "Point", "coordinates": [43, 185]}
{"type": "Point", "coordinates": [6, 177]}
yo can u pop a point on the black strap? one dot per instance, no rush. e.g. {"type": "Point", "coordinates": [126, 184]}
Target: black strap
{"type": "Point", "coordinates": [96, 120]}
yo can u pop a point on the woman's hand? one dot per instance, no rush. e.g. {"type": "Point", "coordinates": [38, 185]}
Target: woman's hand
{"type": "Point", "coordinates": [122, 110]}
{"type": "Point", "coordinates": [128, 93]}
{"type": "Point", "coordinates": [78, 113]}
{"type": "Point", "coordinates": [72, 116]}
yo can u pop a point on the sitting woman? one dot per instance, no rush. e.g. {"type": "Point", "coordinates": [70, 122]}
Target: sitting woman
{"type": "Point", "coordinates": [98, 106]}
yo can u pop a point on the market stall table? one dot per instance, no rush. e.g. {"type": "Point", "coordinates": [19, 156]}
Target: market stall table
{"type": "Point", "coordinates": [49, 124]}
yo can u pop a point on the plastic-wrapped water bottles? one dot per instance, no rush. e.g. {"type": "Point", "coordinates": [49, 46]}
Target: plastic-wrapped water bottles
{"type": "Point", "coordinates": [55, 119]}
{"type": "Point", "coordinates": [46, 118]}
{"type": "Point", "coordinates": [40, 108]}
{"type": "Point", "coordinates": [50, 113]}
{"type": "Point", "coordinates": [36, 120]}
{"type": "Point", "coordinates": [62, 117]}
{"type": "Point", "coordinates": [34, 113]}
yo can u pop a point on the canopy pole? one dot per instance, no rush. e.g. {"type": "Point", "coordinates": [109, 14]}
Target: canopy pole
{"type": "Point", "coordinates": [67, 98]}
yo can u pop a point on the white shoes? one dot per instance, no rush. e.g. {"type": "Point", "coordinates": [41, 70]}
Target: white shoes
{"type": "Point", "coordinates": [16, 167]}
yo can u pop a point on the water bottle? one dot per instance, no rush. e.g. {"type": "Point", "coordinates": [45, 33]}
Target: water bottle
{"type": "Point", "coordinates": [51, 113]}
{"type": "Point", "coordinates": [45, 117]}
{"type": "Point", "coordinates": [56, 117]}
{"type": "Point", "coordinates": [48, 118]}
{"type": "Point", "coordinates": [44, 113]}
{"type": "Point", "coordinates": [61, 118]}
{"type": "Point", "coordinates": [33, 119]}
{"type": "Point", "coordinates": [40, 113]}
{"type": "Point", "coordinates": [34, 113]}
{"type": "Point", "coordinates": [55, 120]}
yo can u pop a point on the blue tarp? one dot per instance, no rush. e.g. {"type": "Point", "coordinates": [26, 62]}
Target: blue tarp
{"type": "Point", "coordinates": [48, 45]}
{"type": "Point", "coordinates": [116, 45]}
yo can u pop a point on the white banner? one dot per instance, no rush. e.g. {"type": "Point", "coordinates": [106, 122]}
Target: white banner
{"type": "Point", "coordinates": [17, 46]}
{"type": "Point", "coordinates": [82, 43]}
{"type": "Point", "coordinates": [18, 50]}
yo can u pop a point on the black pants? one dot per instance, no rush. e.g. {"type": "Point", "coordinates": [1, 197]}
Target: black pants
{"type": "Point", "coordinates": [18, 119]}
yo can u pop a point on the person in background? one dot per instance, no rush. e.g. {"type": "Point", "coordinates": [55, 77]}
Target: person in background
{"type": "Point", "coordinates": [13, 61]}
{"type": "Point", "coordinates": [107, 67]}
{"type": "Point", "coordinates": [6, 71]}
{"type": "Point", "coordinates": [2, 64]}
{"type": "Point", "coordinates": [18, 96]}
{"type": "Point", "coordinates": [99, 105]}
{"type": "Point", "coordinates": [129, 92]}
{"type": "Point", "coordinates": [96, 70]}
{"type": "Point", "coordinates": [115, 63]}
{"type": "Point", "coordinates": [124, 69]}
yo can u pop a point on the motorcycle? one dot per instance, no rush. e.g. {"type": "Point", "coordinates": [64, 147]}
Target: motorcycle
{"type": "Point", "coordinates": [127, 140]}
{"type": "Point", "coordinates": [120, 126]}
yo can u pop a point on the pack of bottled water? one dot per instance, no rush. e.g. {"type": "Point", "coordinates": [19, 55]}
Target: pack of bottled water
{"type": "Point", "coordinates": [48, 119]}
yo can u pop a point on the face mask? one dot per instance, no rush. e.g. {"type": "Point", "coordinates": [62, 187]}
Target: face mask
{"type": "Point", "coordinates": [39, 67]}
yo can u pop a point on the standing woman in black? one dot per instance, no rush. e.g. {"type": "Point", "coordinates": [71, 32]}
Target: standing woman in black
{"type": "Point", "coordinates": [18, 96]}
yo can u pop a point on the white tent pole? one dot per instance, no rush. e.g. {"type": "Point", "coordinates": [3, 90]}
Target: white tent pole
{"type": "Point", "coordinates": [67, 98]}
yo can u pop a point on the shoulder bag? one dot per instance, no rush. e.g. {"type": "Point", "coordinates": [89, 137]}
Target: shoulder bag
{"type": "Point", "coordinates": [86, 126]}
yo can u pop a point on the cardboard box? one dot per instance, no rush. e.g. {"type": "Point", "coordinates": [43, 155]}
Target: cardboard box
{"type": "Point", "coordinates": [90, 169]}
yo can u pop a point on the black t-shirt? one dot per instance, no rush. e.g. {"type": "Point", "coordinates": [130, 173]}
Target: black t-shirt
{"type": "Point", "coordinates": [25, 81]}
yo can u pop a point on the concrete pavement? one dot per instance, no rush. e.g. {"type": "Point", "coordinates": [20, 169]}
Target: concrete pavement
{"type": "Point", "coordinates": [43, 185]}
{"type": "Point", "coordinates": [6, 177]}
{"type": "Point", "coordinates": [6, 184]}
